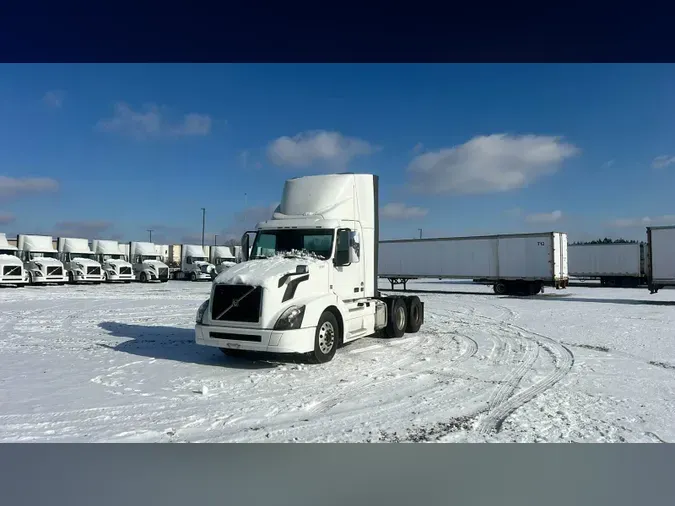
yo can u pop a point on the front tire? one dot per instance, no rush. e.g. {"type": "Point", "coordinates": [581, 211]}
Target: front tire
{"type": "Point", "coordinates": [326, 338]}
{"type": "Point", "coordinates": [144, 277]}
{"type": "Point", "coordinates": [193, 277]}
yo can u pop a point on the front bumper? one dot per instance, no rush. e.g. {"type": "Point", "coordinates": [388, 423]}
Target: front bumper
{"type": "Point", "coordinates": [88, 277]}
{"type": "Point", "coordinates": [120, 277]}
{"type": "Point", "coordinates": [262, 340]}
{"type": "Point", "coordinates": [203, 276]}
{"type": "Point", "coordinates": [50, 279]}
{"type": "Point", "coordinates": [13, 280]}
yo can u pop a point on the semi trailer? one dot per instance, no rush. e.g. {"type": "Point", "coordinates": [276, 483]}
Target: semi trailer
{"type": "Point", "coordinates": [614, 264]}
{"type": "Point", "coordinates": [661, 254]}
{"type": "Point", "coordinates": [309, 284]}
{"type": "Point", "coordinates": [79, 261]}
{"type": "Point", "coordinates": [146, 263]}
{"type": "Point", "coordinates": [512, 263]}
{"type": "Point", "coordinates": [194, 264]}
{"type": "Point", "coordinates": [41, 259]}
{"type": "Point", "coordinates": [11, 266]}
{"type": "Point", "coordinates": [113, 260]}
{"type": "Point", "coordinates": [222, 257]}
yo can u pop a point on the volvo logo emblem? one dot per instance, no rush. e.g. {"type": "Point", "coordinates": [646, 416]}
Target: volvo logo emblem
{"type": "Point", "coordinates": [235, 303]}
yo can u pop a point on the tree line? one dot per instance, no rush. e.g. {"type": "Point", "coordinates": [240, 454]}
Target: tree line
{"type": "Point", "coordinates": [607, 240]}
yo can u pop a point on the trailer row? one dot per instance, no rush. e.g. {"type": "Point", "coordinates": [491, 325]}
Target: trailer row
{"type": "Point", "coordinates": [38, 260]}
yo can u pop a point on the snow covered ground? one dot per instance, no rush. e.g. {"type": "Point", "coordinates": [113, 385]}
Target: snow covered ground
{"type": "Point", "coordinates": [119, 363]}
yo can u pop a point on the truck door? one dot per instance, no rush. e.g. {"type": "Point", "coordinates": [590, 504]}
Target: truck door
{"type": "Point", "coordinates": [348, 266]}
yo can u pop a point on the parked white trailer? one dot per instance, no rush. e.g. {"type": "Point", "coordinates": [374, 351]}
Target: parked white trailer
{"type": "Point", "coordinates": [114, 261]}
{"type": "Point", "coordinates": [79, 260]}
{"type": "Point", "coordinates": [614, 264]}
{"type": "Point", "coordinates": [661, 264]}
{"type": "Point", "coordinates": [41, 259]}
{"type": "Point", "coordinates": [311, 281]}
{"type": "Point", "coordinates": [146, 262]}
{"type": "Point", "coordinates": [513, 263]}
{"type": "Point", "coordinates": [222, 257]}
{"type": "Point", "coordinates": [11, 266]}
{"type": "Point", "coordinates": [194, 264]}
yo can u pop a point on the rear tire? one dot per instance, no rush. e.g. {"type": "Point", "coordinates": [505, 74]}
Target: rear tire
{"type": "Point", "coordinates": [500, 288]}
{"type": "Point", "coordinates": [415, 311]}
{"type": "Point", "coordinates": [397, 317]}
{"type": "Point", "coordinates": [326, 339]}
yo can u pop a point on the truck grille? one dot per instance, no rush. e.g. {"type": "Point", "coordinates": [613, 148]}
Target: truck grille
{"type": "Point", "coordinates": [54, 271]}
{"type": "Point", "coordinates": [94, 270]}
{"type": "Point", "coordinates": [125, 270]}
{"type": "Point", "coordinates": [246, 307]}
{"type": "Point", "coordinates": [163, 273]}
{"type": "Point", "coordinates": [205, 269]}
{"type": "Point", "coordinates": [11, 270]}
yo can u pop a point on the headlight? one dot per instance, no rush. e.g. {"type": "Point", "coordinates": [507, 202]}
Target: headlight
{"type": "Point", "coordinates": [201, 311]}
{"type": "Point", "coordinates": [290, 319]}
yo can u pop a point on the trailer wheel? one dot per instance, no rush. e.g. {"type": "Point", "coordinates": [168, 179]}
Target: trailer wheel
{"type": "Point", "coordinates": [415, 311]}
{"type": "Point", "coordinates": [397, 317]}
{"type": "Point", "coordinates": [326, 339]}
{"type": "Point", "coordinates": [500, 288]}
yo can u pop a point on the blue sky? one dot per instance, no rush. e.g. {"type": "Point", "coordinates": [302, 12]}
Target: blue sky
{"type": "Point", "coordinates": [112, 150]}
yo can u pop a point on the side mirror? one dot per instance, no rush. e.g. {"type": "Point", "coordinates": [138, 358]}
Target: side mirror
{"type": "Point", "coordinates": [342, 248]}
{"type": "Point", "coordinates": [354, 247]}
{"type": "Point", "coordinates": [245, 246]}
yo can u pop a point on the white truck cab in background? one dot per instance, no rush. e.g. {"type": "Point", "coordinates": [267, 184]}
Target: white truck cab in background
{"type": "Point", "coordinates": [11, 266]}
{"type": "Point", "coordinates": [41, 259]}
{"type": "Point", "coordinates": [113, 261]}
{"type": "Point", "coordinates": [223, 258]}
{"type": "Point", "coordinates": [79, 260]}
{"type": "Point", "coordinates": [310, 284]}
{"type": "Point", "coordinates": [194, 264]}
{"type": "Point", "coordinates": [146, 263]}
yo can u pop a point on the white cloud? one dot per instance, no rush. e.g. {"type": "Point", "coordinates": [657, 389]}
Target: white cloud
{"type": "Point", "coordinates": [666, 219]}
{"type": "Point", "coordinates": [152, 121]}
{"type": "Point", "coordinates": [488, 164]}
{"type": "Point", "coordinates": [54, 98]}
{"type": "Point", "coordinates": [317, 146]}
{"type": "Point", "coordinates": [399, 211]}
{"type": "Point", "coordinates": [7, 218]}
{"type": "Point", "coordinates": [663, 161]}
{"type": "Point", "coordinates": [13, 186]}
{"type": "Point", "coordinates": [551, 217]}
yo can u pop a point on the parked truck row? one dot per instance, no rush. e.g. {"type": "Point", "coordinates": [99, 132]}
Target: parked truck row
{"type": "Point", "coordinates": [41, 259]}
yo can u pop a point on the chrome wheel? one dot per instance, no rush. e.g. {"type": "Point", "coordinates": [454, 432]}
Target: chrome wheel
{"type": "Point", "coordinates": [400, 317]}
{"type": "Point", "coordinates": [326, 337]}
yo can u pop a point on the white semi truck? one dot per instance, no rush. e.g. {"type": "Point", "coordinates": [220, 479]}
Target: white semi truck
{"type": "Point", "coordinates": [79, 260]}
{"type": "Point", "coordinates": [661, 254]}
{"type": "Point", "coordinates": [614, 264]}
{"type": "Point", "coordinates": [223, 258]}
{"type": "Point", "coordinates": [11, 266]}
{"type": "Point", "coordinates": [310, 283]}
{"type": "Point", "coordinates": [146, 262]}
{"type": "Point", "coordinates": [513, 264]}
{"type": "Point", "coordinates": [194, 264]}
{"type": "Point", "coordinates": [116, 268]}
{"type": "Point", "coordinates": [41, 259]}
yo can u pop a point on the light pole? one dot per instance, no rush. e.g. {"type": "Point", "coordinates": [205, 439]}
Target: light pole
{"type": "Point", "coordinates": [203, 224]}
{"type": "Point", "coordinates": [150, 230]}
{"type": "Point", "coordinates": [215, 240]}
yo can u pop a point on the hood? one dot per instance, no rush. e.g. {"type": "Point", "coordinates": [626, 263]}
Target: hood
{"type": "Point", "coordinates": [47, 261]}
{"type": "Point", "coordinates": [200, 263]}
{"type": "Point", "coordinates": [10, 260]}
{"type": "Point", "coordinates": [155, 263]}
{"type": "Point", "coordinates": [86, 261]}
{"type": "Point", "coordinates": [268, 272]}
{"type": "Point", "coordinates": [117, 263]}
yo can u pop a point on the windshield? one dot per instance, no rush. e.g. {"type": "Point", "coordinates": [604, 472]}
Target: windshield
{"type": "Point", "coordinates": [8, 252]}
{"type": "Point", "coordinates": [40, 254]}
{"type": "Point", "coordinates": [90, 256]}
{"type": "Point", "coordinates": [199, 259]}
{"type": "Point", "coordinates": [220, 260]}
{"type": "Point", "coordinates": [272, 242]}
{"type": "Point", "coordinates": [112, 257]}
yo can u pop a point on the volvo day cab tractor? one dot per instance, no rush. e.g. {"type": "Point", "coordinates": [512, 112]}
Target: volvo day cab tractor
{"type": "Point", "coordinates": [79, 261]}
{"type": "Point", "coordinates": [194, 264]}
{"type": "Point", "coordinates": [11, 266]}
{"type": "Point", "coordinates": [41, 260]}
{"type": "Point", "coordinates": [310, 283]}
{"type": "Point", "coordinates": [223, 258]}
{"type": "Point", "coordinates": [147, 264]}
{"type": "Point", "coordinates": [116, 268]}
